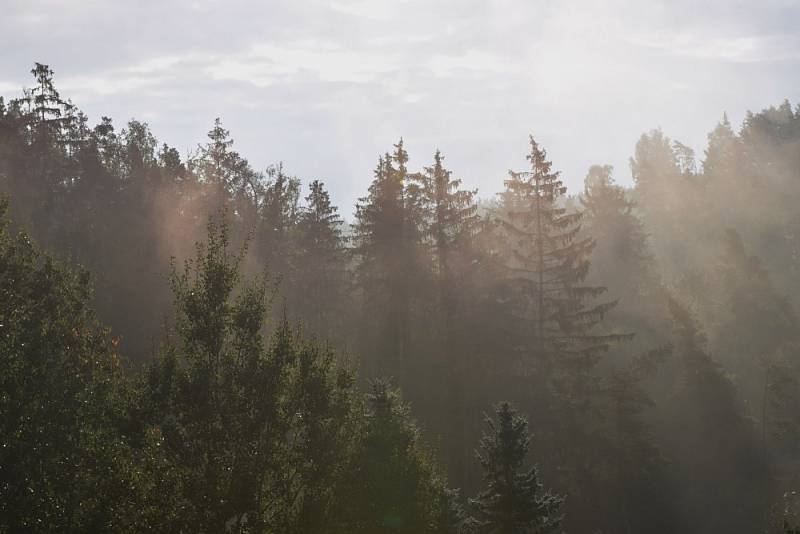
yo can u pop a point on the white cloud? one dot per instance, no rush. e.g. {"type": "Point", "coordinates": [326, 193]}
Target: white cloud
{"type": "Point", "coordinates": [473, 61]}
{"type": "Point", "coordinates": [469, 76]}
{"type": "Point", "coordinates": [8, 87]}
{"type": "Point", "coordinates": [741, 49]}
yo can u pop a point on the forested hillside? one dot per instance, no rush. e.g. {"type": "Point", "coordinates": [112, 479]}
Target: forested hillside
{"type": "Point", "coordinates": [191, 344]}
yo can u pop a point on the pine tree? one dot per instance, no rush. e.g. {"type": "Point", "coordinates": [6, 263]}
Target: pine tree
{"type": "Point", "coordinates": [548, 261]}
{"type": "Point", "coordinates": [321, 263]}
{"type": "Point", "coordinates": [52, 115]}
{"type": "Point", "coordinates": [452, 518]}
{"type": "Point", "coordinates": [228, 178]}
{"type": "Point", "coordinates": [638, 495]}
{"type": "Point", "coordinates": [386, 246]}
{"type": "Point", "coordinates": [449, 218]}
{"type": "Point", "coordinates": [671, 198]}
{"type": "Point", "coordinates": [610, 219]}
{"type": "Point", "coordinates": [554, 318]}
{"type": "Point", "coordinates": [396, 482]}
{"type": "Point", "coordinates": [622, 259]}
{"type": "Point", "coordinates": [449, 228]}
{"type": "Point", "coordinates": [711, 440]}
{"type": "Point", "coordinates": [513, 502]}
{"type": "Point", "coordinates": [748, 299]}
{"type": "Point", "coordinates": [46, 165]}
{"type": "Point", "coordinates": [723, 159]}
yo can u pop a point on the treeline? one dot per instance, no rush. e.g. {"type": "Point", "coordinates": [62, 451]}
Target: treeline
{"type": "Point", "coordinates": [647, 333]}
{"type": "Point", "coordinates": [226, 430]}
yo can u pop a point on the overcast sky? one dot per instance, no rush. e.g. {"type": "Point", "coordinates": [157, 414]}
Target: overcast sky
{"type": "Point", "coordinates": [326, 86]}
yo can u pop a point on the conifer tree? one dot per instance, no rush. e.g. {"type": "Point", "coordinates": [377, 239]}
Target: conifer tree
{"type": "Point", "coordinates": [450, 224]}
{"type": "Point", "coordinates": [63, 457]}
{"type": "Point", "coordinates": [622, 259]}
{"type": "Point", "coordinates": [711, 440]}
{"type": "Point", "coordinates": [51, 114]}
{"type": "Point", "coordinates": [610, 219]}
{"type": "Point", "coordinates": [386, 241]}
{"type": "Point", "coordinates": [396, 482]}
{"type": "Point", "coordinates": [46, 165]}
{"type": "Point", "coordinates": [671, 200]}
{"type": "Point", "coordinates": [769, 350]}
{"type": "Point", "coordinates": [513, 501]}
{"type": "Point", "coordinates": [321, 263]}
{"type": "Point", "coordinates": [723, 159]}
{"type": "Point", "coordinates": [548, 261]}
{"type": "Point", "coordinates": [449, 218]}
{"type": "Point", "coordinates": [554, 317]}
{"type": "Point", "coordinates": [258, 429]}
{"type": "Point", "coordinates": [638, 495]}
{"type": "Point", "coordinates": [279, 212]}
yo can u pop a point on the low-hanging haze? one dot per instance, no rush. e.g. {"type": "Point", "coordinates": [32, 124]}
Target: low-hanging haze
{"type": "Point", "coordinates": [326, 86]}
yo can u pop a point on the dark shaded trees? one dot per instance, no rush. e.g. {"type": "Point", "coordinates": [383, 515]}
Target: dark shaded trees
{"type": "Point", "coordinates": [386, 241]}
{"type": "Point", "coordinates": [396, 483]}
{"type": "Point", "coordinates": [546, 261]}
{"type": "Point", "coordinates": [258, 429]}
{"type": "Point", "coordinates": [64, 460]}
{"type": "Point", "coordinates": [513, 500]}
{"type": "Point", "coordinates": [321, 274]}
{"type": "Point", "coordinates": [711, 440]}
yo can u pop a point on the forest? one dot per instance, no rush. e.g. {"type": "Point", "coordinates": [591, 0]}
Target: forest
{"type": "Point", "coordinates": [192, 344]}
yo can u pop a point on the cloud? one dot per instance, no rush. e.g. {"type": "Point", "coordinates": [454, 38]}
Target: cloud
{"type": "Point", "coordinates": [741, 49]}
{"type": "Point", "coordinates": [267, 63]}
{"type": "Point", "coordinates": [349, 77]}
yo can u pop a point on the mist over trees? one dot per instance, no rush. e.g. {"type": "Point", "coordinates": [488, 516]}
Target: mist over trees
{"type": "Point", "coordinates": [190, 344]}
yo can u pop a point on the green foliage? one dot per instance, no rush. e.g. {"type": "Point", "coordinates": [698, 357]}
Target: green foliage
{"type": "Point", "coordinates": [241, 423]}
{"type": "Point", "coordinates": [258, 429]}
{"type": "Point", "coordinates": [513, 501]}
{"type": "Point", "coordinates": [61, 391]}
{"type": "Point", "coordinates": [395, 481]}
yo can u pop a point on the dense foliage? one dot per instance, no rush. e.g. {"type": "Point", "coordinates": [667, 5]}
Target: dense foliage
{"type": "Point", "coordinates": [252, 382]}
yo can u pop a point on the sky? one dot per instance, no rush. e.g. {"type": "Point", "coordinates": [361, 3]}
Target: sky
{"type": "Point", "coordinates": [327, 86]}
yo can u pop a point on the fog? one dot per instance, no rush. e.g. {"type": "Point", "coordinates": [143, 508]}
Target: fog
{"type": "Point", "coordinates": [206, 340]}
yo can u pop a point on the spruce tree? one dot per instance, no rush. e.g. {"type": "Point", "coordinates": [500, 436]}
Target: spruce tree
{"type": "Point", "coordinates": [386, 246]}
{"type": "Point", "coordinates": [638, 495]}
{"type": "Point", "coordinates": [513, 501]}
{"type": "Point", "coordinates": [396, 483]}
{"type": "Point", "coordinates": [449, 224]}
{"type": "Point", "coordinates": [556, 323]}
{"type": "Point", "coordinates": [711, 440]}
{"type": "Point", "coordinates": [278, 215]}
{"type": "Point", "coordinates": [321, 263]}
{"type": "Point", "coordinates": [51, 114]}
{"type": "Point", "coordinates": [547, 260]}
{"type": "Point", "coordinates": [449, 219]}
{"type": "Point", "coordinates": [749, 298]}
{"type": "Point", "coordinates": [622, 259]}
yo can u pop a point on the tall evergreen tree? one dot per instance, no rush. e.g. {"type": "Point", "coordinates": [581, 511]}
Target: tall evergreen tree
{"type": "Point", "coordinates": [449, 225]}
{"type": "Point", "coordinates": [386, 245]}
{"type": "Point", "coordinates": [638, 494]}
{"type": "Point", "coordinates": [321, 264]}
{"type": "Point", "coordinates": [513, 501]}
{"type": "Point", "coordinates": [622, 259]}
{"type": "Point", "coordinates": [769, 351]}
{"type": "Point", "coordinates": [711, 440]}
{"type": "Point", "coordinates": [397, 484]}
{"type": "Point", "coordinates": [546, 262]}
